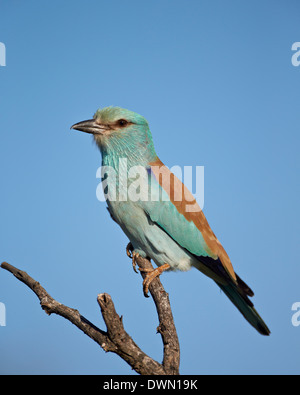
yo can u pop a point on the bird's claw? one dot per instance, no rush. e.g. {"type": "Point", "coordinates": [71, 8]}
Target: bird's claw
{"type": "Point", "coordinates": [132, 255]}
{"type": "Point", "coordinates": [150, 276]}
{"type": "Point", "coordinates": [135, 256]}
{"type": "Point", "coordinates": [151, 273]}
{"type": "Point", "coordinates": [129, 250]}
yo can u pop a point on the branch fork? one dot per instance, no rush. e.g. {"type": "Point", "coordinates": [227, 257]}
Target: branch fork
{"type": "Point", "coordinates": [115, 339]}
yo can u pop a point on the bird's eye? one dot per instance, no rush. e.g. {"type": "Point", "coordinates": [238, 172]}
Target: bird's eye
{"type": "Point", "coordinates": [122, 122]}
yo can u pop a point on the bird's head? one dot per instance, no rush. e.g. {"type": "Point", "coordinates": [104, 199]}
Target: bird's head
{"type": "Point", "coordinates": [118, 130]}
{"type": "Point", "coordinates": [111, 122]}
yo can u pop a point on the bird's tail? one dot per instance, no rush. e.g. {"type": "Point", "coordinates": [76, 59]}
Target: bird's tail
{"type": "Point", "coordinates": [245, 306]}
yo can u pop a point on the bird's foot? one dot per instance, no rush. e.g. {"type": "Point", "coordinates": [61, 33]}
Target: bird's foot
{"type": "Point", "coordinates": [132, 255]}
{"type": "Point", "coordinates": [150, 276]}
{"type": "Point", "coordinates": [129, 250]}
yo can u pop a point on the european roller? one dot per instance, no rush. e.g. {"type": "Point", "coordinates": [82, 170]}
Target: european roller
{"type": "Point", "coordinates": [161, 219]}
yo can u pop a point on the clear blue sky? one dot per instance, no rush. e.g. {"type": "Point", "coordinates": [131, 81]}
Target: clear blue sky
{"type": "Point", "coordinates": [216, 83]}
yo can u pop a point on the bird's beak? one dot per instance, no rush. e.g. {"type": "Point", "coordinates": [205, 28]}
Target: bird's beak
{"type": "Point", "coordinates": [90, 126]}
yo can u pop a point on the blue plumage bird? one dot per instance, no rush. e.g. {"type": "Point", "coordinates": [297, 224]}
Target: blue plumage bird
{"type": "Point", "coordinates": [156, 211]}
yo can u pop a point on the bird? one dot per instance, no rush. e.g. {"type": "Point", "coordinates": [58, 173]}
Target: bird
{"type": "Point", "coordinates": [171, 231]}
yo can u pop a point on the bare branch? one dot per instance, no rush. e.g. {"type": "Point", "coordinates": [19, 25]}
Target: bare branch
{"type": "Point", "coordinates": [50, 306]}
{"type": "Point", "coordinates": [126, 347]}
{"type": "Point", "coordinates": [166, 326]}
{"type": "Point", "coordinates": [116, 339]}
